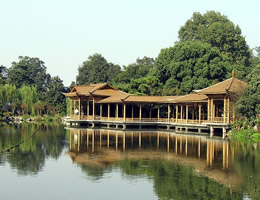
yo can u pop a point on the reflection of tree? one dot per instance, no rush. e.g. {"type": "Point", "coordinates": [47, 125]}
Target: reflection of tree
{"type": "Point", "coordinates": [174, 181]}
{"type": "Point", "coordinates": [247, 163]}
{"type": "Point", "coordinates": [30, 157]}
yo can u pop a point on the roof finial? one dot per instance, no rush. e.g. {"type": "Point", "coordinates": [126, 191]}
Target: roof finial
{"type": "Point", "coordinates": [233, 73]}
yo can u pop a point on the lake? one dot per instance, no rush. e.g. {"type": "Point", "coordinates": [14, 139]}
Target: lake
{"type": "Point", "coordinates": [58, 163]}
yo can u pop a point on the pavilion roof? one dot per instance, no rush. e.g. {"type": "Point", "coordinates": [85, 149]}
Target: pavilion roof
{"type": "Point", "coordinates": [191, 98]}
{"type": "Point", "coordinates": [149, 99]}
{"type": "Point", "coordinates": [100, 89]}
{"type": "Point", "coordinates": [118, 97]}
{"type": "Point", "coordinates": [232, 85]}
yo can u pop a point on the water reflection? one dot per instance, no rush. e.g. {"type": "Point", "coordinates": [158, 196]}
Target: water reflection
{"type": "Point", "coordinates": [30, 157]}
{"type": "Point", "coordinates": [215, 165]}
{"type": "Point", "coordinates": [179, 166]}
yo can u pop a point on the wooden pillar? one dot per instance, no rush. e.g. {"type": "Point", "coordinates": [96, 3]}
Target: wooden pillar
{"type": "Point", "coordinates": [224, 111]}
{"type": "Point", "coordinates": [193, 112]}
{"type": "Point", "coordinates": [212, 109]}
{"type": "Point", "coordinates": [181, 113]}
{"type": "Point", "coordinates": [158, 112]}
{"type": "Point", "coordinates": [209, 100]}
{"type": "Point", "coordinates": [70, 107]}
{"type": "Point", "coordinates": [108, 111]}
{"type": "Point", "coordinates": [124, 112]}
{"type": "Point", "coordinates": [93, 108]}
{"type": "Point", "coordinates": [177, 110]}
{"type": "Point", "coordinates": [79, 108]}
{"type": "Point", "coordinates": [169, 112]}
{"type": "Point", "coordinates": [117, 111]}
{"type": "Point", "coordinates": [140, 112]}
{"type": "Point", "coordinates": [199, 113]}
{"type": "Point", "coordinates": [101, 108]}
{"type": "Point", "coordinates": [150, 113]}
{"type": "Point", "coordinates": [74, 107]}
{"type": "Point", "coordinates": [228, 109]}
{"type": "Point", "coordinates": [132, 112]}
{"type": "Point", "coordinates": [187, 113]}
{"type": "Point", "coordinates": [88, 108]}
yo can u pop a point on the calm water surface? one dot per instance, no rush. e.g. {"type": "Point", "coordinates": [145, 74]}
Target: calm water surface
{"type": "Point", "coordinates": [60, 163]}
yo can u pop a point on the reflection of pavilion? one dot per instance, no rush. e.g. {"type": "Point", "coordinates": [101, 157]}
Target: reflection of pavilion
{"type": "Point", "coordinates": [212, 152]}
{"type": "Point", "coordinates": [207, 109]}
{"type": "Point", "coordinates": [211, 158]}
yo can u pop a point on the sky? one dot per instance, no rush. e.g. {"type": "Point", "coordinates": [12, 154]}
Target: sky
{"type": "Point", "coordinates": [64, 33]}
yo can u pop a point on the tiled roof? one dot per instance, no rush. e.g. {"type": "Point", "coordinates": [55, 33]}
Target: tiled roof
{"type": "Point", "coordinates": [191, 98]}
{"type": "Point", "coordinates": [229, 85]}
{"type": "Point", "coordinates": [149, 99]}
{"type": "Point", "coordinates": [118, 97]}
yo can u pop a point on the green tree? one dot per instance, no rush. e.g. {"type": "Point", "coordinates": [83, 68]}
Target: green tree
{"type": "Point", "coordinates": [218, 31]}
{"type": "Point", "coordinates": [96, 70]}
{"type": "Point", "coordinates": [29, 97]}
{"type": "Point", "coordinates": [190, 65]}
{"type": "Point", "coordinates": [31, 72]}
{"type": "Point", "coordinates": [54, 96]}
{"type": "Point", "coordinates": [249, 104]}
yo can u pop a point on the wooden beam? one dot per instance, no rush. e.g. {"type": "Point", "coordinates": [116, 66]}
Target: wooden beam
{"type": "Point", "coordinates": [117, 111]}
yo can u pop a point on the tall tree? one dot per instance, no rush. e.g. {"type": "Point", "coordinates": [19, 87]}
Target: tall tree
{"type": "Point", "coordinates": [54, 96]}
{"type": "Point", "coordinates": [31, 72]}
{"type": "Point", "coordinates": [191, 65]}
{"type": "Point", "coordinates": [96, 70]}
{"type": "Point", "coordinates": [220, 32]}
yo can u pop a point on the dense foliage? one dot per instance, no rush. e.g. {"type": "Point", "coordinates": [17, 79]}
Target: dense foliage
{"type": "Point", "coordinates": [96, 70]}
{"type": "Point", "coordinates": [191, 65]}
{"type": "Point", "coordinates": [218, 31]}
{"type": "Point", "coordinates": [27, 89]}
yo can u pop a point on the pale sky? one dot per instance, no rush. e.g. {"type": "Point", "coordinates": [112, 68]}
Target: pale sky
{"type": "Point", "coordinates": [63, 33]}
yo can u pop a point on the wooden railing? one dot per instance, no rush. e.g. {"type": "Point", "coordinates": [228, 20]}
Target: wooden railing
{"type": "Point", "coordinates": [171, 120]}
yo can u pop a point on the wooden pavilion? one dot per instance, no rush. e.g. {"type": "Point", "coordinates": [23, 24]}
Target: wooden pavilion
{"type": "Point", "coordinates": [209, 108]}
